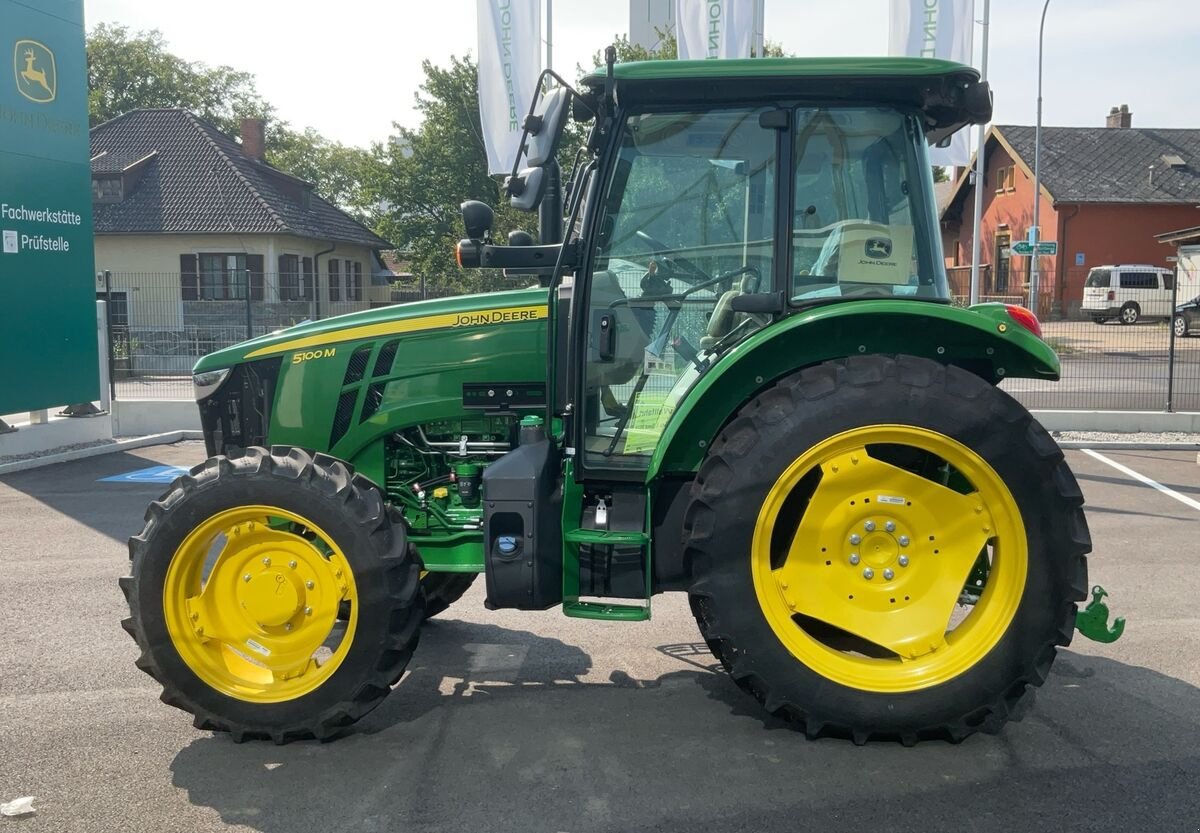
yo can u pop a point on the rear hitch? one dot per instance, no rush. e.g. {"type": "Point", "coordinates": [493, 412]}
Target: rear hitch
{"type": "Point", "coordinates": [1092, 621]}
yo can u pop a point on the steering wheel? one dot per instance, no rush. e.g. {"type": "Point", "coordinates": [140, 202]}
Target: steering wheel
{"type": "Point", "coordinates": [674, 259]}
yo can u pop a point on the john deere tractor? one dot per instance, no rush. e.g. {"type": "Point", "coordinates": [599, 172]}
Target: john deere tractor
{"type": "Point", "coordinates": [736, 373]}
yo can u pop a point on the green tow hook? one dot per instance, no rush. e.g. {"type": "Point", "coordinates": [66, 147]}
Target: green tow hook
{"type": "Point", "coordinates": [1092, 621]}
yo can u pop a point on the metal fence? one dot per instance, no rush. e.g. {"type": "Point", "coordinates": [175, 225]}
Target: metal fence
{"type": "Point", "coordinates": [160, 324]}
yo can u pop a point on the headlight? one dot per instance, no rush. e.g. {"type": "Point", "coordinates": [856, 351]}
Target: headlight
{"type": "Point", "coordinates": [206, 383]}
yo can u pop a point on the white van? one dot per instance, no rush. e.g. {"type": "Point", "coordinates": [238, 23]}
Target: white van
{"type": "Point", "coordinates": [1128, 293]}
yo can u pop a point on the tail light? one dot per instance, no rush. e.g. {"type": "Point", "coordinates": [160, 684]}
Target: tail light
{"type": "Point", "coordinates": [1112, 296]}
{"type": "Point", "coordinates": [1025, 318]}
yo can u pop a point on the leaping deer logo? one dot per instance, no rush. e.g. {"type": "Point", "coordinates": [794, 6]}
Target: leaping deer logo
{"type": "Point", "coordinates": [33, 67]}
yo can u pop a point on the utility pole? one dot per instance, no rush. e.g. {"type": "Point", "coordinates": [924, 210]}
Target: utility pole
{"type": "Point", "coordinates": [1034, 232]}
{"type": "Point", "coordinates": [979, 170]}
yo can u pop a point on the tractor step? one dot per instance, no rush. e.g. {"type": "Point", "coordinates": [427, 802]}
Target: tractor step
{"type": "Point", "coordinates": [604, 610]}
{"type": "Point", "coordinates": [607, 537]}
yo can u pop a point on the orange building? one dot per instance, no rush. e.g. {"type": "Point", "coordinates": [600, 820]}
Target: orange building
{"type": "Point", "coordinates": [1105, 193]}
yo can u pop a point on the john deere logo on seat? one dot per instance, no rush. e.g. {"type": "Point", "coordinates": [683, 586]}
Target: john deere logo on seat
{"type": "Point", "coordinates": [878, 247]}
{"type": "Point", "coordinates": [33, 67]}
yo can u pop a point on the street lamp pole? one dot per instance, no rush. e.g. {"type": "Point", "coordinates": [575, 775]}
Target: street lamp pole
{"type": "Point", "coordinates": [1034, 231]}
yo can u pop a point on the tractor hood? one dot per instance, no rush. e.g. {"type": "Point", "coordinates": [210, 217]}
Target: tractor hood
{"type": "Point", "coordinates": [438, 314]}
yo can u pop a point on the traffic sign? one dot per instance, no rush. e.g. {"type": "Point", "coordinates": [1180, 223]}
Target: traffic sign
{"type": "Point", "coordinates": [1044, 247]}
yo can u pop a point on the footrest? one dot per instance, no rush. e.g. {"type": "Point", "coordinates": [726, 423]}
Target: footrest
{"type": "Point", "coordinates": [610, 612]}
{"type": "Point", "coordinates": [606, 537]}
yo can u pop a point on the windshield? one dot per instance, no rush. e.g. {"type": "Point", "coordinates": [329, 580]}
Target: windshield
{"type": "Point", "coordinates": [687, 224]}
{"type": "Point", "coordinates": [858, 225]}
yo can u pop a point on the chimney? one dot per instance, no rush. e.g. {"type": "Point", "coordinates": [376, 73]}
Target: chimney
{"type": "Point", "coordinates": [1119, 117]}
{"type": "Point", "coordinates": [253, 142]}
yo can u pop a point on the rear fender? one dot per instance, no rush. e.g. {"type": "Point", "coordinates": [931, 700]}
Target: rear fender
{"type": "Point", "coordinates": [983, 339]}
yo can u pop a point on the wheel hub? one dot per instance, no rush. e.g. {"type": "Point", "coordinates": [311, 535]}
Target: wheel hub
{"type": "Point", "coordinates": [271, 597]}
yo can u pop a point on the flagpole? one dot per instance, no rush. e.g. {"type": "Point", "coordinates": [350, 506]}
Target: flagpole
{"type": "Point", "coordinates": [979, 169]}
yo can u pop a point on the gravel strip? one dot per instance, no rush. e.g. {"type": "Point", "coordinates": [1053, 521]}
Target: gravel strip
{"type": "Point", "coordinates": [1147, 438]}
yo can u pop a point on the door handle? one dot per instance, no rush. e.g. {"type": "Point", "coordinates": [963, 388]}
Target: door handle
{"type": "Point", "coordinates": [607, 341]}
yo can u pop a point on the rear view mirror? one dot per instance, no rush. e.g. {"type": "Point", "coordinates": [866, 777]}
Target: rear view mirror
{"type": "Point", "coordinates": [525, 189]}
{"type": "Point", "coordinates": [545, 126]}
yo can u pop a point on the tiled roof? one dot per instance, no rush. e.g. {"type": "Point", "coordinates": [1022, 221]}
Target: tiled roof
{"type": "Point", "coordinates": [1111, 164]}
{"type": "Point", "coordinates": [199, 181]}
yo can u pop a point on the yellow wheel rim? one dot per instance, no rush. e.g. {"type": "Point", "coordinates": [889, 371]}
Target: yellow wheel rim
{"type": "Point", "coordinates": [864, 588]}
{"type": "Point", "coordinates": [251, 600]}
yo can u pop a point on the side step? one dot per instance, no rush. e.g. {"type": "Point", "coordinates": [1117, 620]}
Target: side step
{"type": "Point", "coordinates": [609, 612]}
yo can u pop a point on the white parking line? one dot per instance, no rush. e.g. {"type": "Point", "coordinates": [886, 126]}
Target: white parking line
{"type": "Point", "coordinates": [1143, 479]}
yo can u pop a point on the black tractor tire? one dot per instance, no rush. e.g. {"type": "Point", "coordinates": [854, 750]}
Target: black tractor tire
{"type": "Point", "coordinates": [353, 512]}
{"type": "Point", "coordinates": [1130, 313]}
{"type": "Point", "coordinates": [803, 409]}
{"type": "Point", "coordinates": [444, 589]}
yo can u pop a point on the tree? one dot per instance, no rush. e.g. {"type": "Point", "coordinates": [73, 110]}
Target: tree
{"type": "Point", "coordinates": [339, 172]}
{"type": "Point", "coordinates": [423, 175]}
{"type": "Point", "coordinates": [128, 71]}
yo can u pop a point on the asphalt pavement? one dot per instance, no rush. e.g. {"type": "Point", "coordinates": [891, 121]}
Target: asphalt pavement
{"type": "Point", "coordinates": [527, 722]}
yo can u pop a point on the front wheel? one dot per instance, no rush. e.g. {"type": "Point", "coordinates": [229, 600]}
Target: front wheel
{"type": "Point", "coordinates": [1180, 326]}
{"type": "Point", "coordinates": [236, 583]}
{"type": "Point", "coordinates": [886, 547]}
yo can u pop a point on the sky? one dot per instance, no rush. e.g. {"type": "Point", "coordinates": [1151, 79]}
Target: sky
{"type": "Point", "coordinates": [350, 68]}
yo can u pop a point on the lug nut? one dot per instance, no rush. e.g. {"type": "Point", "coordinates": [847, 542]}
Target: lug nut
{"type": "Point", "coordinates": [266, 562]}
{"type": "Point", "coordinates": [310, 584]}
{"type": "Point", "coordinates": [853, 558]}
{"type": "Point", "coordinates": [904, 540]}
{"type": "Point", "coordinates": [888, 574]}
{"type": "Point", "coordinates": [855, 538]}
{"type": "Point", "coordinates": [246, 577]}
{"type": "Point", "coordinates": [903, 560]}
{"type": "Point", "coordinates": [292, 564]}
{"type": "Point", "coordinates": [890, 526]}
{"type": "Point", "coordinates": [288, 626]}
{"type": "Point", "coordinates": [869, 526]}
{"type": "Point", "coordinates": [868, 573]}
{"type": "Point", "coordinates": [308, 611]}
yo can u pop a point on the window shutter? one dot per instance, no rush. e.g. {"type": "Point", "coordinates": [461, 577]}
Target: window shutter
{"type": "Point", "coordinates": [334, 279]}
{"type": "Point", "coordinates": [254, 265]}
{"type": "Point", "coordinates": [307, 269]}
{"type": "Point", "coordinates": [188, 278]}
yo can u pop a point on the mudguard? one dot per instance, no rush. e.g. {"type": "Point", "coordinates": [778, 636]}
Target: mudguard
{"type": "Point", "coordinates": [984, 339]}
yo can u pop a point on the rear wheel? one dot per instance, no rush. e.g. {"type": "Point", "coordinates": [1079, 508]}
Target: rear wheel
{"type": "Point", "coordinates": [1131, 313]}
{"type": "Point", "coordinates": [236, 583]}
{"type": "Point", "coordinates": [1180, 325]}
{"type": "Point", "coordinates": [886, 548]}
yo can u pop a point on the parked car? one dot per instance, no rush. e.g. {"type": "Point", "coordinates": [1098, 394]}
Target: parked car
{"type": "Point", "coordinates": [1127, 293]}
{"type": "Point", "coordinates": [1187, 318]}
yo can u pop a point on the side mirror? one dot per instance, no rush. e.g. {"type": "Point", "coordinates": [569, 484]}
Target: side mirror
{"type": "Point", "coordinates": [545, 126]}
{"type": "Point", "coordinates": [525, 189]}
{"type": "Point", "coordinates": [478, 218]}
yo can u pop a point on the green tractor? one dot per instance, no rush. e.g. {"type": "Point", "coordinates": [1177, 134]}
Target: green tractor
{"type": "Point", "coordinates": [737, 373]}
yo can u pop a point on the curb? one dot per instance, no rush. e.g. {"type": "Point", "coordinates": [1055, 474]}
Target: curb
{"type": "Point", "coordinates": [165, 438]}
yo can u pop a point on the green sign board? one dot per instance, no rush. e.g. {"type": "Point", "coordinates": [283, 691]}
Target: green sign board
{"type": "Point", "coordinates": [1044, 247]}
{"type": "Point", "coordinates": [47, 285]}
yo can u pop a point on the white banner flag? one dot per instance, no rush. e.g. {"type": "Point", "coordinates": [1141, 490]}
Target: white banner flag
{"type": "Point", "coordinates": [510, 60]}
{"type": "Point", "coordinates": [714, 28]}
{"type": "Point", "coordinates": [936, 29]}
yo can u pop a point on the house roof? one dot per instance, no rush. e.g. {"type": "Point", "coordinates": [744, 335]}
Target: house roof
{"type": "Point", "coordinates": [1102, 164]}
{"type": "Point", "coordinates": [197, 180]}
{"type": "Point", "coordinates": [1181, 236]}
{"type": "Point", "coordinates": [1111, 164]}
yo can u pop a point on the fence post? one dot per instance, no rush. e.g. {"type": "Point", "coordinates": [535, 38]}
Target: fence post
{"type": "Point", "coordinates": [249, 306]}
{"type": "Point", "coordinates": [1171, 345]}
{"type": "Point", "coordinates": [105, 350]}
{"type": "Point", "coordinates": [112, 379]}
